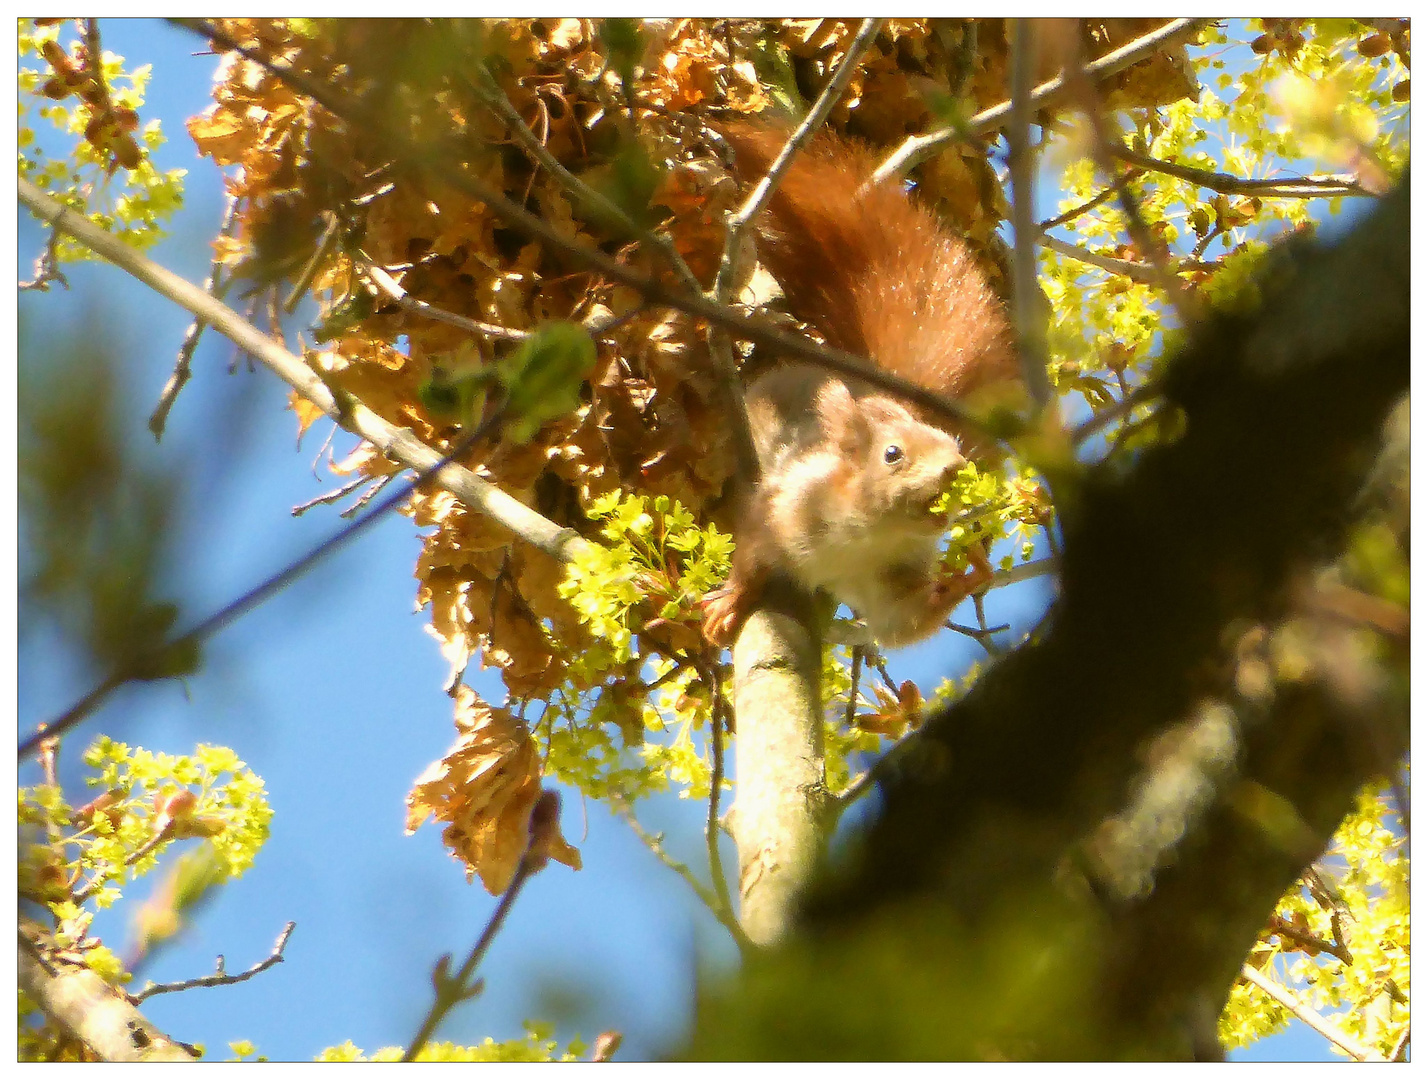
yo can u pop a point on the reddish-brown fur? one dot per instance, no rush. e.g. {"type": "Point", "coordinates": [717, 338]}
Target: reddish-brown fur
{"type": "Point", "coordinates": [877, 273]}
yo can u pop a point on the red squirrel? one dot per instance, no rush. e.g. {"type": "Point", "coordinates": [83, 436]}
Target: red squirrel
{"type": "Point", "coordinates": [849, 472]}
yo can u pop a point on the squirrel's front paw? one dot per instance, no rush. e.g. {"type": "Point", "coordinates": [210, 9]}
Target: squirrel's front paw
{"type": "Point", "coordinates": [723, 611]}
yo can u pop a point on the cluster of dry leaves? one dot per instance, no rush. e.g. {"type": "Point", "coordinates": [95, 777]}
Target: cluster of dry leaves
{"type": "Point", "coordinates": [325, 200]}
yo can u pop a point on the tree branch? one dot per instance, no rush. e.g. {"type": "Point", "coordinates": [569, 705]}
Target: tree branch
{"type": "Point", "coordinates": [1309, 1016]}
{"type": "Point", "coordinates": [1288, 187]}
{"type": "Point", "coordinates": [396, 443]}
{"type": "Point", "coordinates": [220, 977]}
{"type": "Point", "coordinates": [159, 418]}
{"type": "Point", "coordinates": [1137, 272]}
{"type": "Point", "coordinates": [82, 1004]}
{"type": "Point", "coordinates": [737, 225]}
{"type": "Point", "coordinates": [918, 148]}
{"type": "Point", "coordinates": [1027, 315]}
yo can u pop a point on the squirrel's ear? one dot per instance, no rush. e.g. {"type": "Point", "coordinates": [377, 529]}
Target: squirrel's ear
{"type": "Point", "coordinates": [840, 416]}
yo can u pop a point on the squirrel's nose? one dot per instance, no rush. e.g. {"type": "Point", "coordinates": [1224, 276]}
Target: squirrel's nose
{"type": "Point", "coordinates": [952, 468]}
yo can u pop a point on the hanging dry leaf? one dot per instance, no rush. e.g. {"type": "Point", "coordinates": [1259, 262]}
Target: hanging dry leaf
{"type": "Point", "coordinates": [484, 789]}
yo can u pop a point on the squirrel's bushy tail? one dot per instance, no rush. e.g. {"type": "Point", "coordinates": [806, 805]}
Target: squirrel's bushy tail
{"type": "Point", "coordinates": [876, 273]}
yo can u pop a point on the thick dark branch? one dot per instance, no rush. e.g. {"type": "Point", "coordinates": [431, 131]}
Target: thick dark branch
{"type": "Point", "coordinates": [975, 866]}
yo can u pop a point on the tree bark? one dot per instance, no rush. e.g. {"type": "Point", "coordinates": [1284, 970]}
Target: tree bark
{"type": "Point", "coordinates": [778, 816]}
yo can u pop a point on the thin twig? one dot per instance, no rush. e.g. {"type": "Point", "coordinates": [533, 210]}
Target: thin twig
{"type": "Point", "coordinates": [147, 847]}
{"type": "Point", "coordinates": [1309, 1016]}
{"type": "Point", "coordinates": [874, 772]}
{"type": "Point", "coordinates": [978, 633]}
{"type": "Point", "coordinates": [717, 716]}
{"type": "Point", "coordinates": [1141, 273]}
{"type": "Point", "coordinates": [330, 232]}
{"type": "Point", "coordinates": [451, 990]}
{"type": "Point", "coordinates": [855, 672]}
{"type": "Point", "coordinates": [655, 843]}
{"type": "Point", "coordinates": [1400, 1046]}
{"type": "Point", "coordinates": [1027, 317]}
{"type": "Point", "coordinates": [918, 148]}
{"type": "Point", "coordinates": [1083, 208]}
{"type": "Point", "coordinates": [1287, 187]}
{"type": "Point", "coordinates": [47, 267]}
{"type": "Point", "coordinates": [336, 495]}
{"type": "Point", "coordinates": [367, 496]}
{"type": "Point", "coordinates": [442, 158]}
{"type": "Point", "coordinates": [184, 363]}
{"type": "Point", "coordinates": [1290, 932]}
{"type": "Point", "coordinates": [383, 283]}
{"type": "Point", "coordinates": [220, 977]}
{"type": "Point", "coordinates": [1139, 396]}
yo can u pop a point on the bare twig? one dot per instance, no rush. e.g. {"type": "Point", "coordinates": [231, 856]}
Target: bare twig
{"type": "Point", "coordinates": [47, 267]}
{"type": "Point", "coordinates": [1083, 208]}
{"type": "Point", "coordinates": [1401, 1046]}
{"type": "Point", "coordinates": [981, 635]}
{"type": "Point", "coordinates": [856, 670]}
{"type": "Point", "coordinates": [1026, 312]}
{"type": "Point", "coordinates": [597, 322]}
{"type": "Point", "coordinates": [1141, 273]}
{"type": "Point", "coordinates": [385, 284]}
{"type": "Point", "coordinates": [1309, 1016]}
{"type": "Point", "coordinates": [378, 485]}
{"type": "Point", "coordinates": [442, 158]}
{"type": "Point", "coordinates": [1290, 932]}
{"type": "Point", "coordinates": [451, 990]}
{"type": "Point", "coordinates": [220, 977]}
{"type": "Point", "coordinates": [918, 148]}
{"type": "Point", "coordinates": [710, 900]}
{"type": "Point", "coordinates": [1141, 395]}
{"type": "Point", "coordinates": [332, 228]}
{"type": "Point", "coordinates": [184, 363]}
{"type": "Point", "coordinates": [336, 495]}
{"type": "Point", "coordinates": [717, 715]}
{"type": "Point", "coordinates": [1287, 187]}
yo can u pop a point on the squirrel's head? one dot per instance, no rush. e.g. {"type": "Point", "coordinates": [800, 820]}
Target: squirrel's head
{"type": "Point", "coordinates": [904, 464]}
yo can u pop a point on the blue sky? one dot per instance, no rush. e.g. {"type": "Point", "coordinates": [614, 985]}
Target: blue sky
{"type": "Point", "coordinates": [332, 693]}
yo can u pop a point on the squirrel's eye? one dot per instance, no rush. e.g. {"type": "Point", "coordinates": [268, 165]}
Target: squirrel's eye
{"type": "Point", "coordinates": [892, 454]}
